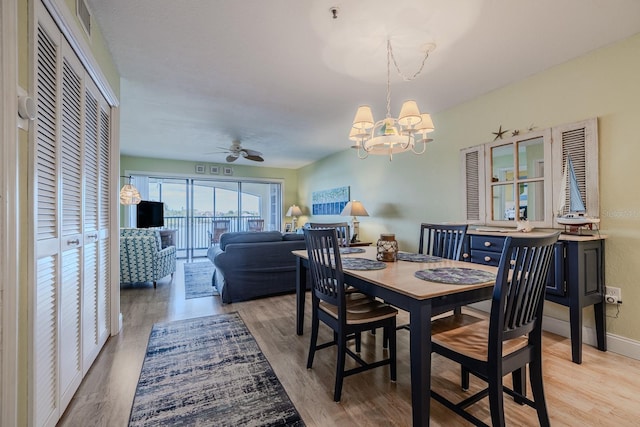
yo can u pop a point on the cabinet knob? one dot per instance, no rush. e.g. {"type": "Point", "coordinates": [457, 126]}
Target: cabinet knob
{"type": "Point", "coordinates": [465, 255]}
{"type": "Point", "coordinates": [487, 244]}
{"type": "Point", "coordinates": [487, 258]}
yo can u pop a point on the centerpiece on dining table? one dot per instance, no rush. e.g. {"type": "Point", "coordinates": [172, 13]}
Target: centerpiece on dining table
{"type": "Point", "coordinates": [387, 248]}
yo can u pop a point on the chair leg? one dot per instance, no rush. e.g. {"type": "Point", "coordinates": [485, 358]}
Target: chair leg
{"type": "Point", "coordinates": [392, 350]}
{"type": "Point", "coordinates": [154, 284]}
{"type": "Point", "coordinates": [457, 311]}
{"type": "Point", "coordinates": [385, 338]}
{"type": "Point", "coordinates": [342, 351]}
{"type": "Point", "coordinates": [519, 378]}
{"type": "Point", "coordinates": [464, 378]}
{"type": "Point", "coordinates": [535, 376]}
{"type": "Point", "coordinates": [496, 402]}
{"type": "Point", "coordinates": [315, 322]}
{"type": "Point", "coordinates": [358, 342]}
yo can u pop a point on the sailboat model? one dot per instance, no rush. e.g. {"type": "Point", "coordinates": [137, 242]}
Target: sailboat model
{"type": "Point", "coordinates": [577, 212]}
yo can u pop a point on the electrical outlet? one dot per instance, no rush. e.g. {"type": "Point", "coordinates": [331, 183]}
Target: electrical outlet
{"type": "Point", "coordinates": [613, 295]}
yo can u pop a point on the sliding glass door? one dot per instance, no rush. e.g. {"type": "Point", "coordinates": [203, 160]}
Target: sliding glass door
{"type": "Point", "coordinates": [201, 209]}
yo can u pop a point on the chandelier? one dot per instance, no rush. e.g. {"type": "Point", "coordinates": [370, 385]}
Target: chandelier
{"type": "Point", "coordinates": [129, 194]}
{"type": "Point", "coordinates": [392, 135]}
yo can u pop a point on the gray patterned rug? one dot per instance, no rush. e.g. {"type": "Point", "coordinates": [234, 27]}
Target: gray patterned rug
{"type": "Point", "coordinates": [197, 280]}
{"type": "Point", "coordinates": [209, 371]}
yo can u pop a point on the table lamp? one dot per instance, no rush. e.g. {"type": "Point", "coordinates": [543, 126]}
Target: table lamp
{"type": "Point", "coordinates": [354, 209]}
{"type": "Point", "coordinates": [294, 212]}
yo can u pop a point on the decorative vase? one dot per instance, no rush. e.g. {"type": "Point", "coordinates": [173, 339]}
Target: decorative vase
{"type": "Point", "coordinates": [387, 248]}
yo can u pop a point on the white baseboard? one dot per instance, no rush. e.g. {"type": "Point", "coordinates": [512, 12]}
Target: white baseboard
{"type": "Point", "coordinates": [615, 343]}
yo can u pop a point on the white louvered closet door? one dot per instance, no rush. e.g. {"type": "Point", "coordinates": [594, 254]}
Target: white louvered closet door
{"type": "Point", "coordinates": [70, 351]}
{"type": "Point", "coordinates": [95, 302]}
{"type": "Point", "coordinates": [104, 221]}
{"type": "Point", "coordinates": [44, 405]}
{"type": "Point", "coordinates": [71, 165]}
{"type": "Point", "coordinates": [90, 338]}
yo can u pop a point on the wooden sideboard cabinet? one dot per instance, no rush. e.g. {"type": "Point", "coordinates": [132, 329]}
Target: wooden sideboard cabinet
{"type": "Point", "coordinates": [168, 237]}
{"type": "Point", "coordinates": [576, 277]}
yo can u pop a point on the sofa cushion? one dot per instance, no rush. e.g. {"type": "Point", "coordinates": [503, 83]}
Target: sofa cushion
{"type": "Point", "coordinates": [292, 236]}
{"type": "Point", "coordinates": [249, 237]}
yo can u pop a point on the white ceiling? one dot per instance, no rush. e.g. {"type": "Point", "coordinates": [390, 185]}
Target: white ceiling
{"type": "Point", "coordinates": [285, 78]}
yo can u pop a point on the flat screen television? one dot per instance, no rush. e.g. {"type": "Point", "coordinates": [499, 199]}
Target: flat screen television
{"type": "Point", "coordinates": [150, 214]}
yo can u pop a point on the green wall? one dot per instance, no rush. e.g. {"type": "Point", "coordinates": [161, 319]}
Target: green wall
{"type": "Point", "coordinates": [411, 189]}
{"type": "Point", "coordinates": [145, 164]}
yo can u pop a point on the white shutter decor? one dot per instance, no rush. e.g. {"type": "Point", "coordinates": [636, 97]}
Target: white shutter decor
{"type": "Point", "coordinates": [580, 141]}
{"type": "Point", "coordinates": [473, 180]}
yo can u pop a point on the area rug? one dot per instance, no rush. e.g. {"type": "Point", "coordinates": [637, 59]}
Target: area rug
{"type": "Point", "coordinates": [197, 280]}
{"type": "Point", "coordinates": [209, 371]}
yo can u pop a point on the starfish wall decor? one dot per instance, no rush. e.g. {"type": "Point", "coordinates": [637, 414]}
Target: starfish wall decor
{"type": "Point", "coordinates": [500, 133]}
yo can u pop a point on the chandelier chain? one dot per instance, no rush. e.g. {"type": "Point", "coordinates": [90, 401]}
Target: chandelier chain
{"type": "Point", "coordinates": [389, 55]}
{"type": "Point", "coordinates": [395, 63]}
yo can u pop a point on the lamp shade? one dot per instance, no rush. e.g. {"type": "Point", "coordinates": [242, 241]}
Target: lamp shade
{"type": "Point", "coordinates": [129, 195]}
{"type": "Point", "coordinates": [426, 125]}
{"type": "Point", "coordinates": [354, 208]}
{"type": "Point", "coordinates": [409, 113]}
{"type": "Point", "coordinates": [294, 211]}
{"type": "Point", "coordinates": [363, 118]}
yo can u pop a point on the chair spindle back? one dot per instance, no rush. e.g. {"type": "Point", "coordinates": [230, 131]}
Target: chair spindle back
{"type": "Point", "coordinates": [325, 265]}
{"type": "Point", "coordinates": [518, 295]}
{"type": "Point", "coordinates": [442, 240]}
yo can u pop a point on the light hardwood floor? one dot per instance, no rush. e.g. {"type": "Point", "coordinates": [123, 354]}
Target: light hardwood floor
{"type": "Point", "coordinates": [603, 391]}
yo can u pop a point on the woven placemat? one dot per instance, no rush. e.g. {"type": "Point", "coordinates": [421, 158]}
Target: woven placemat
{"type": "Point", "coordinates": [455, 275]}
{"type": "Point", "coordinates": [411, 257]}
{"type": "Point", "coordinates": [362, 264]}
{"type": "Point", "coordinates": [351, 250]}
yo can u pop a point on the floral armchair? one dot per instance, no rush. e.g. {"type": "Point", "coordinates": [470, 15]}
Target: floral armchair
{"type": "Point", "coordinates": [142, 258]}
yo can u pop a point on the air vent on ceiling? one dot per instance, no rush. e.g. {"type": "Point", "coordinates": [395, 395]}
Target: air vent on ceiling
{"type": "Point", "coordinates": [84, 15]}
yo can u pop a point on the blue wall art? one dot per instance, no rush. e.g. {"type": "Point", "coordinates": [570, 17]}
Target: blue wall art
{"type": "Point", "coordinates": [329, 202]}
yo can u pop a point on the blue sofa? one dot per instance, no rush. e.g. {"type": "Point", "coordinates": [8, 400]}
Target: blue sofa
{"type": "Point", "coordinates": [251, 265]}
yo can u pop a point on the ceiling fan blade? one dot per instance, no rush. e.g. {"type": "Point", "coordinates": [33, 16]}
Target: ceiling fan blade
{"type": "Point", "coordinates": [231, 158]}
{"type": "Point", "coordinates": [254, 158]}
{"type": "Point", "coordinates": [252, 152]}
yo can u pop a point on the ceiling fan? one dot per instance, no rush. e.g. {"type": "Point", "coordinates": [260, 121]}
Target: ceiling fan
{"type": "Point", "coordinates": [236, 151]}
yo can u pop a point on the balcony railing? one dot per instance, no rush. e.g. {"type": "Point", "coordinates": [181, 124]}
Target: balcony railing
{"type": "Point", "coordinates": [200, 228]}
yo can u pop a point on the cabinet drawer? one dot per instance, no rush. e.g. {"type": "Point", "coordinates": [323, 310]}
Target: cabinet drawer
{"type": "Point", "coordinates": [485, 257]}
{"type": "Point", "coordinates": [487, 243]}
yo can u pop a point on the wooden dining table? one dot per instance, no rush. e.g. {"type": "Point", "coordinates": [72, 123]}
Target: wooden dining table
{"type": "Point", "coordinates": [398, 285]}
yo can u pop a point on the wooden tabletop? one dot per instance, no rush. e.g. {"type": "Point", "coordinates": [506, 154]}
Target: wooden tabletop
{"type": "Point", "coordinates": [400, 276]}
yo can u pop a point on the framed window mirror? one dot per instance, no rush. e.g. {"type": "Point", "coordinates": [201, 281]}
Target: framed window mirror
{"type": "Point", "coordinates": [520, 178]}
